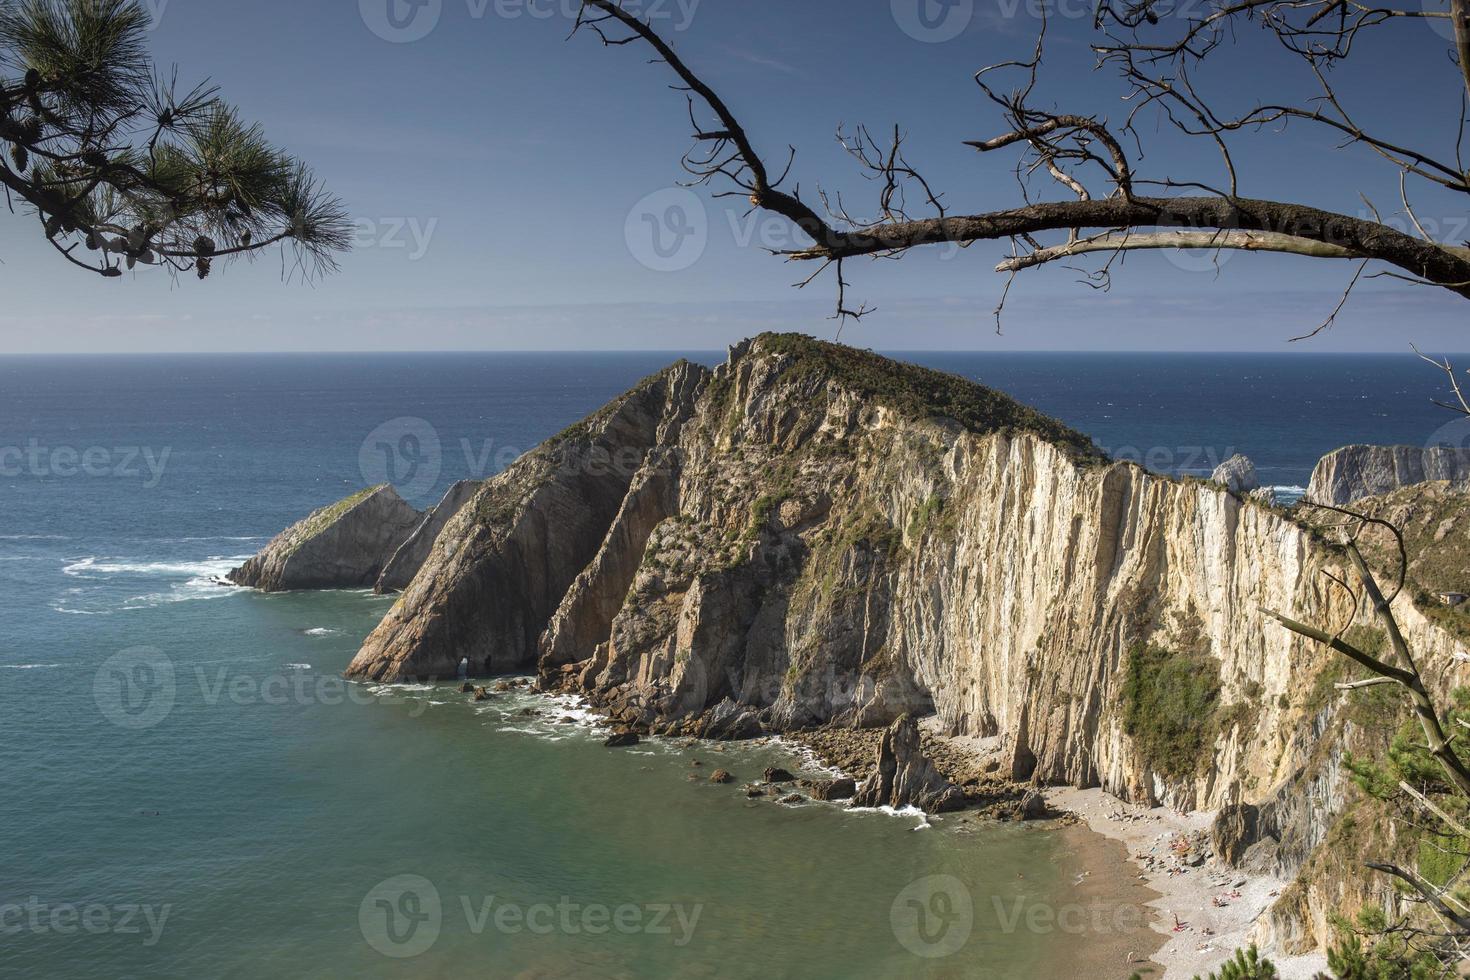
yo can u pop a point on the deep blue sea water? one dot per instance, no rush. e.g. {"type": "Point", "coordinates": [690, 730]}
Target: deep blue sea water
{"type": "Point", "coordinates": [168, 745]}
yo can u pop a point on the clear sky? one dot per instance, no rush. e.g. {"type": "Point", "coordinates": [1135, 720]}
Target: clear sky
{"type": "Point", "coordinates": [504, 179]}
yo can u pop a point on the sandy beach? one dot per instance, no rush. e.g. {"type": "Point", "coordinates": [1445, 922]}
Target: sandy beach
{"type": "Point", "coordinates": [1203, 913]}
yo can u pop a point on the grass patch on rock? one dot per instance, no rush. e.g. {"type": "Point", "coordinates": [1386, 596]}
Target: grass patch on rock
{"type": "Point", "coordinates": [1171, 704]}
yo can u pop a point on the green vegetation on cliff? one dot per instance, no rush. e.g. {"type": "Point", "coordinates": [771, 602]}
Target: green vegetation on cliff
{"type": "Point", "coordinates": [917, 392]}
{"type": "Point", "coordinates": [1170, 706]}
{"type": "Point", "coordinates": [322, 519]}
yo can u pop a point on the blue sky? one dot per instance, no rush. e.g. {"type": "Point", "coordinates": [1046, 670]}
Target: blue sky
{"type": "Point", "coordinates": [503, 179]}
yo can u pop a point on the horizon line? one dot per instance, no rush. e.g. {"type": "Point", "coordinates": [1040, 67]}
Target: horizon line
{"type": "Point", "coordinates": [719, 351]}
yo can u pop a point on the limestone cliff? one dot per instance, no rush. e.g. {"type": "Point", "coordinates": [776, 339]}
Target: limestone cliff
{"type": "Point", "coordinates": [345, 545]}
{"type": "Point", "coordinates": [1355, 472]}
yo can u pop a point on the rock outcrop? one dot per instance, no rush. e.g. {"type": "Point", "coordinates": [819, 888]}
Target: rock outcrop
{"type": "Point", "coordinates": [412, 554]}
{"type": "Point", "coordinates": [1237, 474]}
{"type": "Point", "coordinates": [905, 778]}
{"type": "Point", "coordinates": [1354, 472]}
{"type": "Point", "coordinates": [501, 566]}
{"type": "Point", "coordinates": [1235, 829]}
{"type": "Point", "coordinates": [343, 546]}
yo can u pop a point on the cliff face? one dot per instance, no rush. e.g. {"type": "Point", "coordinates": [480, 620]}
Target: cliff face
{"type": "Point", "coordinates": [1355, 472]}
{"type": "Point", "coordinates": [411, 555]}
{"type": "Point", "coordinates": [343, 546]}
{"type": "Point", "coordinates": [502, 564]}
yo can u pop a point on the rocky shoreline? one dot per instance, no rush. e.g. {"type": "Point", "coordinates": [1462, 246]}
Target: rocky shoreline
{"type": "Point", "coordinates": [987, 793]}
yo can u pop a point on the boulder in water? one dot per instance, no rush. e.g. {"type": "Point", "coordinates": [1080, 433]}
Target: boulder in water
{"type": "Point", "coordinates": [830, 790]}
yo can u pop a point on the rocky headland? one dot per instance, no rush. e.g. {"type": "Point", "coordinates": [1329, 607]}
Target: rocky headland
{"type": "Point", "coordinates": [817, 541]}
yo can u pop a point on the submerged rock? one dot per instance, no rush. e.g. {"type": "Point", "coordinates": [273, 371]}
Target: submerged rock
{"type": "Point", "coordinates": [721, 776]}
{"type": "Point", "coordinates": [621, 740]}
{"type": "Point", "coordinates": [905, 777]}
{"type": "Point", "coordinates": [343, 546]}
{"type": "Point", "coordinates": [776, 774]}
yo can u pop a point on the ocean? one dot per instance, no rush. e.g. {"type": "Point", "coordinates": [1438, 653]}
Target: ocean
{"type": "Point", "coordinates": [188, 788]}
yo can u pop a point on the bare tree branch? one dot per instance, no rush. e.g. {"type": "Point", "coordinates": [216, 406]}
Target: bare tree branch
{"type": "Point", "coordinates": [1067, 147]}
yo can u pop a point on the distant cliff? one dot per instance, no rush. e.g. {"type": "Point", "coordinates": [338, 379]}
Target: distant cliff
{"type": "Point", "coordinates": [1355, 472]}
{"type": "Point", "coordinates": [502, 565]}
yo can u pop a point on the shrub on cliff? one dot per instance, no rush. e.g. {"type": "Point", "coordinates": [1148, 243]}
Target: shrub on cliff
{"type": "Point", "coordinates": [1170, 703]}
{"type": "Point", "coordinates": [1389, 957]}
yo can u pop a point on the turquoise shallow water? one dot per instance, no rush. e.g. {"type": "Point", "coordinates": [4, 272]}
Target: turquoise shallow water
{"type": "Point", "coordinates": [187, 789]}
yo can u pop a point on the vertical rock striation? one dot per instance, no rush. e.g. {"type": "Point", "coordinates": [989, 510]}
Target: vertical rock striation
{"type": "Point", "coordinates": [905, 777]}
{"type": "Point", "coordinates": [500, 567]}
{"type": "Point", "coordinates": [412, 554]}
